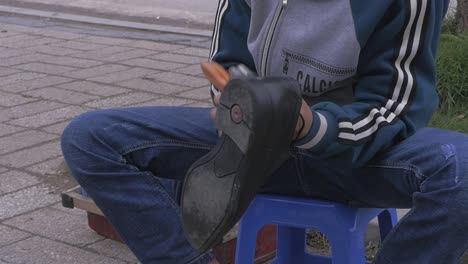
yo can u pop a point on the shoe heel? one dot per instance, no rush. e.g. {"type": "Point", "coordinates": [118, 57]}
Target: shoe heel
{"type": "Point", "coordinates": [234, 114]}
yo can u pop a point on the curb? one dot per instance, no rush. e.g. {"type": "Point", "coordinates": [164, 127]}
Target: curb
{"type": "Point", "coordinates": [106, 21]}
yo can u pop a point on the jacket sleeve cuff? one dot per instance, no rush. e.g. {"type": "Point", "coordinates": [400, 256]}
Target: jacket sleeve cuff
{"type": "Point", "coordinates": [323, 132]}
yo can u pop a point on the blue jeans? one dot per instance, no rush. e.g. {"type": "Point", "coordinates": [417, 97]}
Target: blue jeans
{"type": "Point", "coordinates": [132, 162]}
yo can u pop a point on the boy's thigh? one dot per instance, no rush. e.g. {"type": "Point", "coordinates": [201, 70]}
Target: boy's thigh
{"type": "Point", "coordinates": [164, 140]}
{"type": "Point", "coordinates": [132, 128]}
{"type": "Point", "coordinates": [108, 140]}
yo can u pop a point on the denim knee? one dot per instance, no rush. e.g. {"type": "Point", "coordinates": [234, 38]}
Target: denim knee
{"type": "Point", "coordinates": [79, 140]}
{"type": "Point", "coordinates": [78, 131]}
{"type": "Point", "coordinates": [450, 180]}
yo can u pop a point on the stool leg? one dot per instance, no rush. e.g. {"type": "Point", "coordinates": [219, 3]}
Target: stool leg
{"type": "Point", "coordinates": [247, 241]}
{"type": "Point", "coordinates": [291, 245]}
{"type": "Point", "coordinates": [387, 220]}
{"type": "Point", "coordinates": [348, 247]}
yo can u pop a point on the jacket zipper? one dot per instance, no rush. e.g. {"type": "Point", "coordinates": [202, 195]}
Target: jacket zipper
{"type": "Point", "coordinates": [271, 32]}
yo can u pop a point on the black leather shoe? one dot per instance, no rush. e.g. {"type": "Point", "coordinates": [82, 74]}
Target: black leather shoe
{"type": "Point", "coordinates": [258, 119]}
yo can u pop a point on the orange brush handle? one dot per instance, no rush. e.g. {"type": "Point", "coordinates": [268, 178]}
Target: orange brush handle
{"type": "Point", "coordinates": [216, 74]}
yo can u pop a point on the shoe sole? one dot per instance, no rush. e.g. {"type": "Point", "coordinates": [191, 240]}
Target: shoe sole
{"type": "Point", "coordinates": [216, 193]}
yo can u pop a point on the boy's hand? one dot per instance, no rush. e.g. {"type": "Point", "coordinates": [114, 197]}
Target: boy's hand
{"type": "Point", "coordinates": [219, 77]}
{"type": "Point", "coordinates": [306, 120]}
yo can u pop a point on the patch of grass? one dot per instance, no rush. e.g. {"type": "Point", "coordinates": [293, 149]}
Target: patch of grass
{"type": "Point", "coordinates": [452, 80]}
{"type": "Point", "coordinates": [455, 121]}
{"type": "Point", "coordinates": [450, 25]}
{"type": "Point", "coordinates": [452, 72]}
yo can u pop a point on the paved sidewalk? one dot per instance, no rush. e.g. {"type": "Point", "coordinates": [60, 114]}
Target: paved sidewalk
{"type": "Point", "coordinates": [47, 77]}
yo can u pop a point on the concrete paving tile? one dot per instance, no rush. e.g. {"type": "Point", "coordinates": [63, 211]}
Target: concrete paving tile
{"type": "Point", "coordinates": [44, 68]}
{"type": "Point", "coordinates": [166, 101]}
{"type": "Point", "coordinates": [26, 200]}
{"type": "Point", "coordinates": [38, 250]}
{"type": "Point", "coordinates": [203, 43]}
{"type": "Point", "coordinates": [122, 75]}
{"type": "Point", "coordinates": [28, 109]}
{"type": "Point", "coordinates": [78, 45]}
{"type": "Point", "coordinates": [57, 128]}
{"type": "Point", "coordinates": [49, 117]}
{"type": "Point", "coordinates": [12, 53]}
{"type": "Point", "coordinates": [61, 95]}
{"type": "Point", "coordinates": [58, 34]}
{"type": "Point", "coordinates": [19, 77]}
{"type": "Point", "coordinates": [153, 45]}
{"type": "Point", "coordinates": [101, 53]}
{"type": "Point", "coordinates": [33, 42]}
{"type": "Point", "coordinates": [73, 62]}
{"type": "Point", "coordinates": [207, 104]}
{"type": "Point", "coordinates": [7, 71]}
{"type": "Point", "coordinates": [54, 172]}
{"type": "Point", "coordinates": [131, 54]}
{"type": "Point", "coordinates": [51, 50]}
{"type": "Point", "coordinates": [9, 235]}
{"type": "Point", "coordinates": [152, 64]}
{"type": "Point", "coordinates": [193, 70]}
{"type": "Point", "coordinates": [52, 166]}
{"type": "Point", "coordinates": [8, 129]}
{"type": "Point", "coordinates": [8, 33]}
{"type": "Point", "coordinates": [27, 157]}
{"type": "Point", "coordinates": [56, 225]}
{"type": "Point", "coordinates": [30, 57]}
{"type": "Point", "coordinates": [15, 180]}
{"type": "Point", "coordinates": [11, 99]}
{"type": "Point", "coordinates": [122, 100]}
{"type": "Point", "coordinates": [104, 40]}
{"type": "Point", "coordinates": [18, 28]}
{"type": "Point", "coordinates": [114, 249]}
{"type": "Point", "coordinates": [41, 41]}
{"type": "Point", "coordinates": [93, 88]}
{"type": "Point", "coordinates": [23, 139]}
{"type": "Point", "coordinates": [74, 211]}
{"type": "Point", "coordinates": [180, 79]}
{"type": "Point", "coordinates": [185, 59]}
{"type": "Point", "coordinates": [34, 84]}
{"type": "Point", "coordinates": [200, 52]}
{"type": "Point", "coordinates": [154, 86]}
{"type": "Point", "coordinates": [4, 49]}
{"type": "Point", "coordinates": [18, 39]}
{"type": "Point", "coordinates": [96, 71]}
{"type": "Point", "coordinates": [198, 94]}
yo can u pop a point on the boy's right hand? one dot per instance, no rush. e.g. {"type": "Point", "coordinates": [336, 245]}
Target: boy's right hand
{"type": "Point", "coordinates": [219, 78]}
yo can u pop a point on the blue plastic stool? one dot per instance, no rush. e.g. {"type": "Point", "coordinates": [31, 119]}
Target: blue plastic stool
{"type": "Point", "coordinates": [344, 226]}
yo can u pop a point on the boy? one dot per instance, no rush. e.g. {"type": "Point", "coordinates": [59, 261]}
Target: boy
{"type": "Point", "coordinates": [367, 70]}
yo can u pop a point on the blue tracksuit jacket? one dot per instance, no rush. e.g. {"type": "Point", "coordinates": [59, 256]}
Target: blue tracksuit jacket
{"type": "Point", "coordinates": [366, 67]}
